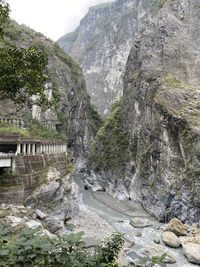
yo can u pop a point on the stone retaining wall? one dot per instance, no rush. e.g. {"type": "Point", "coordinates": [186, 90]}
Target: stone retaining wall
{"type": "Point", "coordinates": [31, 171]}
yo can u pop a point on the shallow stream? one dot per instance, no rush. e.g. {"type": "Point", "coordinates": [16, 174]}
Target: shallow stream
{"type": "Point", "coordinates": [119, 213]}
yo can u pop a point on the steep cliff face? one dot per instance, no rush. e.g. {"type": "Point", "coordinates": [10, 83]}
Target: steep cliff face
{"type": "Point", "coordinates": [160, 114]}
{"type": "Point", "coordinates": [74, 114]}
{"type": "Point", "coordinates": [101, 44]}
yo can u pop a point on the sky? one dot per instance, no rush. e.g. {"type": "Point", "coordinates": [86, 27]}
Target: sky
{"type": "Point", "coordinates": [50, 17]}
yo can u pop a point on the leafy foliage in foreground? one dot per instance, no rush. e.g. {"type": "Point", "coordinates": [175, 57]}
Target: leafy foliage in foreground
{"type": "Point", "coordinates": [28, 248]}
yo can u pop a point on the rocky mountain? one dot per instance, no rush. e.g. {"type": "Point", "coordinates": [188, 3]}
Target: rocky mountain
{"type": "Point", "coordinates": [74, 115]}
{"type": "Point", "coordinates": [101, 44]}
{"type": "Point", "coordinates": [148, 149]}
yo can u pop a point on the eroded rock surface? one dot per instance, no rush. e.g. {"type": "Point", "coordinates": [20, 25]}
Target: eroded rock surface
{"type": "Point", "coordinates": [101, 44]}
{"type": "Point", "coordinates": [58, 196]}
{"type": "Point", "coordinates": [73, 113]}
{"type": "Point", "coordinates": [155, 159]}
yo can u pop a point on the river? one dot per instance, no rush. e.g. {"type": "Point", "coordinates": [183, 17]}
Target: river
{"type": "Point", "coordinates": [119, 213]}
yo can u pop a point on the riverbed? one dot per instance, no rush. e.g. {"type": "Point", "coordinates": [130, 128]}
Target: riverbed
{"type": "Point", "coordinates": [101, 214]}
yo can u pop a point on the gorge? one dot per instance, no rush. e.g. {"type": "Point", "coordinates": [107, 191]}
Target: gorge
{"type": "Point", "coordinates": [138, 168]}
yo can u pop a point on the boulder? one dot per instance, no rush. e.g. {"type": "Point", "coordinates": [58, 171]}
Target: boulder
{"type": "Point", "coordinates": [14, 221]}
{"type": "Point", "coordinates": [149, 252]}
{"type": "Point", "coordinates": [52, 225]}
{"type": "Point", "coordinates": [33, 224]}
{"type": "Point", "coordinates": [159, 251]}
{"type": "Point", "coordinates": [40, 214]}
{"type": "Point", "coordinates": [177, 227]}
{"type": "Point", "coordinates": [170, 239]}
{"type": "Point", "coordinates": [192, 252]}
{"type": "Point", "coordinates": [140, 222]}
{"type": "Point", "coordinates": [190, 239]}
{"type": "Point", "coordinates": [91, 183]}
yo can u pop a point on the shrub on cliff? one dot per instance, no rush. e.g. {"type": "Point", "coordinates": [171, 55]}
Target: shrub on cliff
{"type": "Point", "coordinates": [22, 70]}
{"type": "Point", "coordinates": [111, 142]}
{"type": "Point", "coordinates": [29, 248]}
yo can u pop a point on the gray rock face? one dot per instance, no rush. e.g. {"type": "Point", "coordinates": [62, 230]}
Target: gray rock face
{"type": "Point", "coordinates": [160, 111]}
{"type": "Point", "coordinates": [66, 83]}
{"type": "Point", "coordinates": [101, 44]}
{"type": "Point", "coordinates": [58, 197]}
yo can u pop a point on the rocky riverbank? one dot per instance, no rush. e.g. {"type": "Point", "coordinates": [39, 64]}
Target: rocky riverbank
{"type": "Point", "coordinates": [95, 228]}
{"type": "Point", "coordinates": [146, 236]}
{"type": "Point", "coordinates": [99, 215]}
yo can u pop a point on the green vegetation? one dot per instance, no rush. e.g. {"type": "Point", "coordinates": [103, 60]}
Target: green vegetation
{"type": "Point", "coordinates": [16, 33]}
{"type": "Point", "coordinates": [173, 82]}
{"type": "Point", "coordinates": [21, 33]}
{"type": "Point", "coordinates": [4, 213]}
{"type": "Point", "coordinates": [34, 130]}
{"type": "Point", "coordinates": [8, 128]}
{"type": "Point", "coordinates": [4, 14]}
{"type": "Point", "coordinates": [21, 69]}
{"type": "Point", "coordinates": [28, 66]}
{"type": "Point", "coordinates": [60, 53]}
{"type": "Point", "coordinates": [98, 121]}
{"type": "Point", "coordinates": [185, 102]}
{"type": "Point", "coordinates": [8, 178]}
{"type": "Point", "coordinates": [150, 262]}
{"type": "Point", "coordinates": [154, 5]}
{"type": "Point", "coordinates": [71, 38]}
{"type": "Point", "coordinates": [22, 74]}
{"type": "Point", "coordinates": [24, 247]}
{"type": "Point", "coordinates": [38, 130]}
{"type": "Point", "coordinates": [109, 147]}
{"type": "Point", "coordinates": [70, 166]}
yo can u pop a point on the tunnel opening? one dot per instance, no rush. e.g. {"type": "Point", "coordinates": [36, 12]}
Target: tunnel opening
{"type": "Point", "coordinates": [8, 148]}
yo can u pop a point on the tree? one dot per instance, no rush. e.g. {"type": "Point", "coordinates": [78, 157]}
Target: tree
{"type": "Point", "coordinates": [22, 69]}
{"type": "Point", "coordinates": [4, 14]}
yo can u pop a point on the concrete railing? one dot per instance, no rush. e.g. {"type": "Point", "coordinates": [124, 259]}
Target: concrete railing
{"type": "Point", "coordinates": [41, 148]}
{"type": "Point", "coordinates": [17, 122]}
